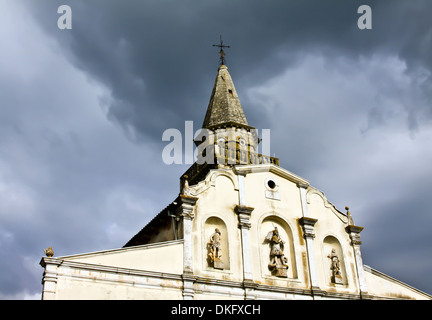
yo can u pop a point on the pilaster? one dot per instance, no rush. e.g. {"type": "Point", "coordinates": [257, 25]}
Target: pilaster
{"type": "Point", "coordinates": [186, 211]}
{"type": "Point", "coordinates": [244, 214]}
{"type": "Point", "coordinates": [49, 280]}
{"type": "Point", "coordinates": [307, 225]}
{"type": "Point", "coordinates": [241, 178]}
{"type": "Point", "coordinates": [354, 234]}
{"type": "Point", "coordinates": [188, 286]}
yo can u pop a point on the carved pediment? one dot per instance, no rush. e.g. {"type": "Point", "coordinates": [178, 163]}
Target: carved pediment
{"type": "Point", "coordinates": [327, 204]}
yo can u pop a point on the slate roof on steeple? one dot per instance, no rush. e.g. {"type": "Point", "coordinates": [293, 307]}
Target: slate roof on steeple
{"type": "Point", "coordinates": [224, 108]}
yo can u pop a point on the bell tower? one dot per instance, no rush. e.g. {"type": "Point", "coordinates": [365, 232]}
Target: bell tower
{"type": "Point", "coordinates": [226, 138]}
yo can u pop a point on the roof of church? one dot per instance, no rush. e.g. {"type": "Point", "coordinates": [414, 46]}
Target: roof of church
{"type": "Point", "coordinates": [224, 108]}
{"type": "Point", "coordinates": [150, 232]}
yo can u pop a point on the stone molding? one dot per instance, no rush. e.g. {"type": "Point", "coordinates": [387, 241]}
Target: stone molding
{"type": "Point", "coordinates": [308, 227]}
{"type": "Point", "coordinates": [354, 233]}
{"type": "Point", "coordinates": [199, 285]}
{"type": "Point", "coordinates": [187, 204]}
{"type": "Point", "coordinates": [244, 214]}
{"type": "Point", "coordinates": [268, 167]}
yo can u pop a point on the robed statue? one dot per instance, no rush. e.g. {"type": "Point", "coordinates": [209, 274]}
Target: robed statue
{"type": "Point", "coordinates": [278, 262]}
{"type": "Point", "coordinates": [215, 250]}
{"type": "Point", "coordinates": [336, 276]}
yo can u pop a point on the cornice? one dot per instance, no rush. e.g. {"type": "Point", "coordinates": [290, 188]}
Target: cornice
{"type": "Point", "coordinates": [59, 259]}
{"type": "Point", "coordinates": [256, 168]}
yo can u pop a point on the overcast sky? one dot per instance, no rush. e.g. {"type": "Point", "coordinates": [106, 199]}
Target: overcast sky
{"type": "Point", "coordinates": [82, 113]}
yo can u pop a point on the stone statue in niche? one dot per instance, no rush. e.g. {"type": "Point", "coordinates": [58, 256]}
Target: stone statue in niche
{"type": "Point", "coordinates": [278, 262]}
{"type": "Point", "coordinates": [215, 250]}
{"type": "Point", "coordinates": [336, 276]}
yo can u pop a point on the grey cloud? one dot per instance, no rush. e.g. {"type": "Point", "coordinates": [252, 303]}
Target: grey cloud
{"type": "Point", "coordinates": [377, 172]}
{"type": "Point", "coordinates": [401, 233]}
{"type": "Point", "coordinates": [157, 59]}
{"type": "Point", "coordinates": [156, 63]}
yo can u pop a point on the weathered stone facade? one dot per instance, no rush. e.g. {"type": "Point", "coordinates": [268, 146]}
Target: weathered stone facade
{"type": "Point", "coordinates": [244, 229]}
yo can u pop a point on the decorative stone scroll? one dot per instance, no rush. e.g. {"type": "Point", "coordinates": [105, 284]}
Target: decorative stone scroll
{"type": "Point", "coordinates": [278, 262]}
{"type": "Point", "coordinates": [215, 250]}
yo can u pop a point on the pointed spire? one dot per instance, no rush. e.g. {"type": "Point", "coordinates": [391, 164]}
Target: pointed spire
{"type": "Point", "coordinates": [224, 107]}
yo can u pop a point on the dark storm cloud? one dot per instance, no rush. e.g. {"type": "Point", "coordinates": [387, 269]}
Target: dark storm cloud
{"type": "Point", "coordinates": [402, 235]}
{"type": "Point", "coordinates": [80, 187]}
{"type": "Point", "coordinates": [157, 60]}
{"type": "Point", "coordinates": [66, 177]}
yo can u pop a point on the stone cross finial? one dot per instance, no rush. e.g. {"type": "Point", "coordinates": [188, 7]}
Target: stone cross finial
{"type": "Point", "coordinates": [221, 52]}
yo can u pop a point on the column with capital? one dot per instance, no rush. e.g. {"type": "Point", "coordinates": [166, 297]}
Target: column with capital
{"type": "Point", "coordinates": [244, 213]}
{"type": "Point", "coordinates": [185, 210]}
{"type": "Point", "coordinates": [354, 234]}
{"type": "Point", "coordinates": [49, 280]}
{"type": "Point", "coordinates": [309, 234]}
{"type": "Point", "coordinates": [307, 223]}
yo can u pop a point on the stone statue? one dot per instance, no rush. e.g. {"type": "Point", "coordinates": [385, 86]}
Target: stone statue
{"type": "Point", "coordinates": [278, 262]}
{"type": "Point", "coordinates": [335, 268]}
{"type": "Point", "coordinates": [186, 190]}
{"type": "Point", "coordinates": [215, 249]}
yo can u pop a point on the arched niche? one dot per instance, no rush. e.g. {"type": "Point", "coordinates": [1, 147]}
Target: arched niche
{"type": "Point", "coordinates": [267, 227]}
{"type": "Point", "coordinates": [333, 262]}
{"type": "Point", "coordinates": [215, 230]}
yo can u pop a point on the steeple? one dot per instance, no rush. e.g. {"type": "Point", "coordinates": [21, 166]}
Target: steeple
{"type": "Point", "coordinates": [228, 139]}
{"type": "Point", "coordinates": [224, 108]}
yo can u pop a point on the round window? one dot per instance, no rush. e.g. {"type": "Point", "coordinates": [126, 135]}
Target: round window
{"type": "Point", "coordinates": [271, 185]}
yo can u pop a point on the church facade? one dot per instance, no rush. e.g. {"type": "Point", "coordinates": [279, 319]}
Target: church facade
{"type": "Point", "coordinates": [241, 227]}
